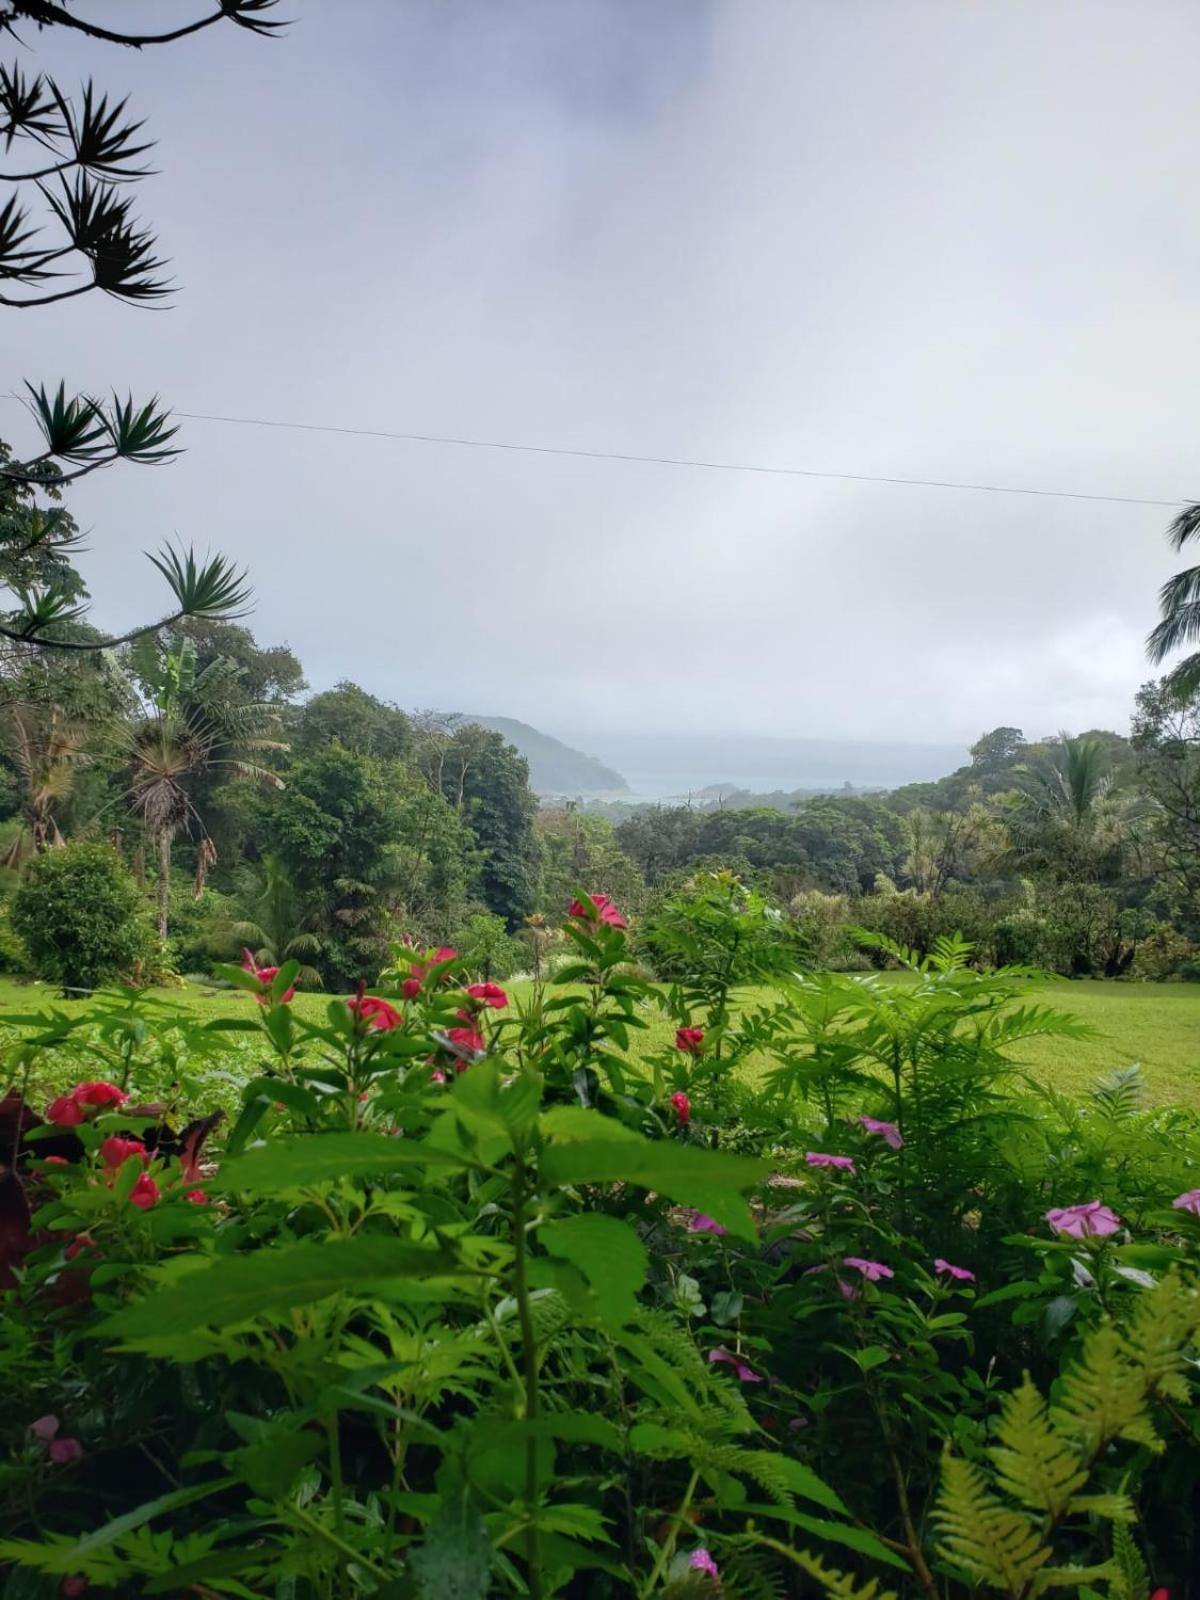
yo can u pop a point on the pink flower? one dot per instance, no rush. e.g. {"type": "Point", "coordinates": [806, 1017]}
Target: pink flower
{"type": "Point", "coordinates": [873, 1271]}
{"type": "Point", "coordinates": [115, 1151]}
{"type": "Point", "coordinates": [601, 910]}
{"type": "Point", "coordinates": [66, 1111]}
{"type": "Point", "coordinates": [689, 1040]}
{"type": "Point", "coordinates": [887, 1131]}
{"type": "Point", "coordinates": [683, 1107]}
{"type": "Point", "coordinates": [197, 1197]}
{"type": "Point", "coordinates": [44, 1428]}
{"type": "Point", "coordinates": [56, 1161]}
{"type": "Point", "coordinates": [467, 1039]}
{"type": "Point", "coordinates": [948, 1270]}
{"type": "Point", "coordinates": [64, 1451]}
{"type": "Point", "coordinates": [489, 994]}
{"type": "Point", "coordinates": [437, 1076]}
{"type": "Point", "coordinates": [1089, 1221]}
{"type": "Point", "coordinates": [71, 1588]}
{"type": "Point", "coordinates": [701, 1561]}
{"type": "Point", "coordinates": [99, 1094]}
{"type": "Point", "coordinates": [376, 1013]}
{"type": "Point", "coordinates": [265, 976]}
{"type": "Point", "coordinates": [144, 1193]}
{"type": "Point", "coordinates": [816, 1158]}
{"type": "Point", "coordinates": [80, 1243]}
{"type": "Point", "coordinates": [1182, 1202]}
{"type": "Point", "coordinates": [745, 1373]}
{"type": "Point", "coordinates": [410, 988]}
{"type": "Point", "coordinates": [699, 1223]}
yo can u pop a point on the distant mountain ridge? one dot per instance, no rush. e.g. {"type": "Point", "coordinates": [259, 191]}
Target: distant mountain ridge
{"type": "Point", "coordinates": [555, 768]}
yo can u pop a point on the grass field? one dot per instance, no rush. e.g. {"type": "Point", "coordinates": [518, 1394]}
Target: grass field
{"type": "Point", "coordinates": [1157, 1025]}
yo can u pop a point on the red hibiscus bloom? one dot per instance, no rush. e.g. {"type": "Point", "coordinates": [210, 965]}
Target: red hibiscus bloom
{"type": "Point", "coordinates": [99, 1094]}
{"type": "Point", "coordinates": [265, 976]}
{"type": "Point", "coordinates": [376, 1013]}
{"type": "Point", "coordinates": [115, 1151]}
{"type": "Point", "coordinates": [683, 1107]}
{"type": "Point", "coordinates": [602, 910]}
{"type": "Point", "coordinates": [689, 1040]}
{"type": "Point", "coordinates": [65, 1111]}
{"type": "Point", "coordinates": [489, 994]}
{"type": "Point", "coordinates": [144, 1193]}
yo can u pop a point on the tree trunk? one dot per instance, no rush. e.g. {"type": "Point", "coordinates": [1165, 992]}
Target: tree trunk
{"type": "Point", "coordinates": [164, 879]}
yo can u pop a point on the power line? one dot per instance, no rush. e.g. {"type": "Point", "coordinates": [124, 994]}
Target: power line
{"type": "Point", "coordinates": [672, 461]}
{"type": "Point", "coordinates": [676, 461]}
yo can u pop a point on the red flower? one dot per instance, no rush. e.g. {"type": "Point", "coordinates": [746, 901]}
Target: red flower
{"type": "Point", "coordinates": [144, 1193]}
{"type": "Point", "coordinates": [446, 953]}
{"type": "Point", "coordinates": [65, 1111]}
{"type": "Point", "coordinates": [683, 1107]}
{"type": "Point", "coordinates": [410, 988]}
{"type": "Point", "coordinates": [56, 1161]}
{"type": "Point", "coordinates": [71, 1588]}
{"type": "Point", "coordinates": [489, 994]}
{"type": "Point", "coordinates": [115, 1151]}
{"type": "Point", "coordinates": [265, 976]}
{"type": "Point", "coordinates": [602, 910]}
{"type": "Point", "coordinates": [467, 1039]}
{"type": "Point", "coordinates": [197, 1197]}
{"type": "Point", "coordinates": [80, 1243]}
{"type": "Point", "coordinates": [376, 1013]}
{"type": "Point", "coordinates": [63, 1451]}
{"type": "Point", "coordinates": [99, 1094]}
{"type": "Point", "coordinates": [689, 1040]}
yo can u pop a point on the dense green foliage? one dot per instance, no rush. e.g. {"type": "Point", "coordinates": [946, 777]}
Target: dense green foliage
{"type": "Point", "coordinates": [476, 1300]}
{"type": "Point", "coordinates": [81, 918]}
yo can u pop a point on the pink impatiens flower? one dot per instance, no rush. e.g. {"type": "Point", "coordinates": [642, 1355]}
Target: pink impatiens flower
{"type": "Point", "coordinates": [144, 1193]}
{"type": "Point", "coordinates": [44, 1428]}
{"type": "Point", "coordinates": [1188, 1202]}
{"type": "Point", "coordinates": [65, 1112]}
{"type": "Point", "coordinates": [817, 1158]}
{"type": "Point", "coordinates": [701, 1561]}
{"type": "Point", "coordinates": [265, 975]}
{"type": "Point", "coordinates": [114, 1151]}
{"type": "Point", "coordinates": [745, 1373]}
{"type": "Point", "coordinates": [376, 1013]}
{"type": "Point", "coordinates": [489, 994]}
{"type": "Point", "coordinates": [887, 1131]}
{"type": "Point", "coordinates": [683, 1107]}
{"type": "Point", "coordinates": [1089, 1221]}
{"type": "Point", "coordinates": [197, 1197]}
{"type": "Point", "coordinates": [604, 911]}
{"type": "Point", "coordinates": [873, 1271]}
{"type": "Point", "coordinates": [699, 1223]}
{"type": "Point", "coordinates": [99, 1094]}
{"type": "Point", "coordinates": [949, 1270]}
{"type": "Point", "coordinates": [64, 1451]}
{"type": "Point", "coordinates": [689, 1040]}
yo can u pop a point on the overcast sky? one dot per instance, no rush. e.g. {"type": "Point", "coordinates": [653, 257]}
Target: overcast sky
{"type": "Point", "coordinates": [925, 238]}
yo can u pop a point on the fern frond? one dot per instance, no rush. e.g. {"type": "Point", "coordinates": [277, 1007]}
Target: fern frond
{"type": "Point", "coordinates": [1103, 1397]}
{"type": "Point", "coordinates": [837, 1585]}
{"type": "Point", "coordinates": [1132, 1581]}
{"type": "Point", "coordinates": [983, 1537]}
{"type": "Point", "coordinates": [1034, 1464]}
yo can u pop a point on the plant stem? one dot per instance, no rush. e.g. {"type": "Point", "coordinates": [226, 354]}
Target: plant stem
{"type": "Point", "coordinates": [520, 1197]}
{"type": "Point", "coordinates": [667, 1549]}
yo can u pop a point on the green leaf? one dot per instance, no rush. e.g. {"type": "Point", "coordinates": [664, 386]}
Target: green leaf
{"type": "Point", "coordinates": [234, 1289]}
{"type": "Point", "coordinates": [609, 1254]}
{"type": "Point", "coordinates": [126, 1523]}
{"type": "Point", "coordinates": [574, 1122]}
{"type": "Point", "coordinates": [307, 1160]}
{"type": "Point", "coordinates": [705, 1179]}
{"type": "Point", "coordinates": [455, 1560]}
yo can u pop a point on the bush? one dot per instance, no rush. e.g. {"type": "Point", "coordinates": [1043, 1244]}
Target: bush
{"type": "Point", "coordinates": [81, 918]}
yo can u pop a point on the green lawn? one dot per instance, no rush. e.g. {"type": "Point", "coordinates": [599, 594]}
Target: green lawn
{"type": "Point", "coordinates": [1157, 1025]}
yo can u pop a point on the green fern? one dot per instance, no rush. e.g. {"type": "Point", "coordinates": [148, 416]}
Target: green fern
{"type": "Point", "coordinates": [837, 1585]}
{"type": "Point", "coordinates": [1034, 1464]}
{"type": "Point", "coordinates": [1132, 1580]}
{"type": "Point", "coordinates": [991, 1542]}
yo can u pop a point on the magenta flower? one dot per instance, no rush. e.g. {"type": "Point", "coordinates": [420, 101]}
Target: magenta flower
{"type": "Point", "coordinates": [887, 1131]}
{"type": "Point", "coordinates": [44, 1428]}
{"type": "Point", "coordinates": [949, 1270]}
{"type": "Point", "coordinates": [816, 1158]}
{"type": "Point", "coordinates": [745, 1373]}
{"type": "Point", "coordinates": [699, 1223]}
{"type": "Point", "coordinates": [873, 1271]}
{"type": "Point", "coordinates": [1089, 1221]}
{"type": "Point", "coordinates": [1188, 1202]}
{"type": "Point", "coordinates": [701, 1561]}
{"type": "Point", "coordinates": [64, 1451]}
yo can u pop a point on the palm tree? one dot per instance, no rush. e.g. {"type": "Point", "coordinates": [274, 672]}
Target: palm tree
{"type": "Point", "coordinates": [1065, 817]}
{"type": "Point", "coordinates": [273, 931]}
{"type": "Point", "coordinates": [190, 724]}
{"type": "Point", "coordinates": [1179, 608]}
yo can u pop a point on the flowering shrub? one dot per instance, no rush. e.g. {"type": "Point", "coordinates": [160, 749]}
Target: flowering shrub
{"type": "Point", "coordinates": [480, 1298]}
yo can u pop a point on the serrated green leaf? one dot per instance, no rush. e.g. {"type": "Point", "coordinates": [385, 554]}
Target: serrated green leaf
{"type": "Point", "coordinates": [609, 1254]}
